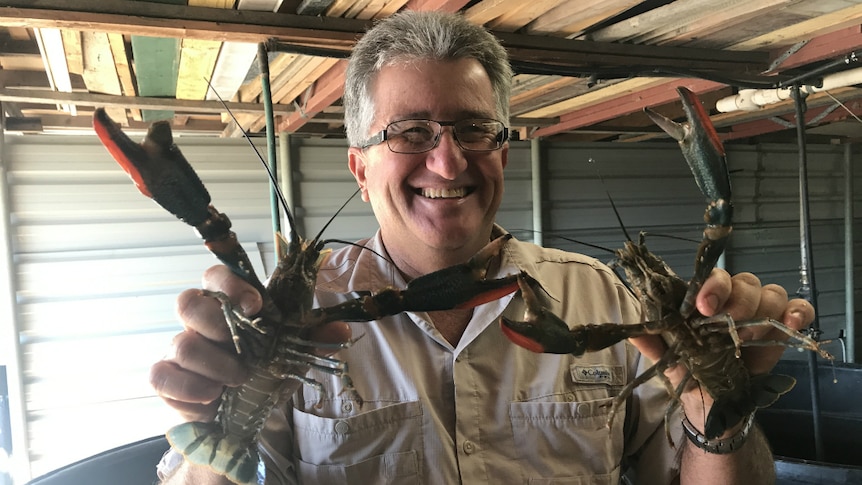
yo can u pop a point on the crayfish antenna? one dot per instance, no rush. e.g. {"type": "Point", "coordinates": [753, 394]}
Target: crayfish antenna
{"type": "Point", "coordinates": [320, 233]}
{"type": "Point", "coordinates": [611, 200]}
{"type": "Point", "coordinates": [566, 238]}
{"type": "Point", "coordinates": [290, 220]}
{"type": "Point", "coordinates": [282, 200]}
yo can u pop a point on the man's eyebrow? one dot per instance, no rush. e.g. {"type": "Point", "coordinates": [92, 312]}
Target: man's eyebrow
{"type": "Point", "coordinates": [414, 115]}
{"type": "Point", "coordinates": [426, 115]}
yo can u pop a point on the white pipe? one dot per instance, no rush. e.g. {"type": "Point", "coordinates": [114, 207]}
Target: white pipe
{"type": "Point", "coordinates": [754, 99]}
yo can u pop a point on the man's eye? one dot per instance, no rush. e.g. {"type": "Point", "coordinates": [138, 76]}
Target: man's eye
{"type": "Point", "coordinates": [416, 133]}
{"type": "Point", "coordinates": [476, 132]}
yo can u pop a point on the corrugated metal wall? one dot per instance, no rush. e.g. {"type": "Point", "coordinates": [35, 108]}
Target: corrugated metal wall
{"type": "Point", "coordinates": [98, 270]}
{"type": "Point", "coordinates": [99, 267]}
{"type": "Point", "coordinates": [654, 191]}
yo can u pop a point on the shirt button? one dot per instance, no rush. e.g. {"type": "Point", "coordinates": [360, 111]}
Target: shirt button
{"type": "Point", "coordinates": [347, 407]}
{"type": "Point", "coordinates": [341, 427]}
{"type": "Point", "coordinates": [469, 447]}
{"type": "Point", "coordinates": [570, 397]}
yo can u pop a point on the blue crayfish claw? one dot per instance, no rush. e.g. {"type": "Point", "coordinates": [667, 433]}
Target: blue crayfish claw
{"type": "Point", "coordinates": [704, 153]}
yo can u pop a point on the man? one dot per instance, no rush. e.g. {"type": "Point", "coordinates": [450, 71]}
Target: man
{"type": "Point", "coordinates": [447, 398]}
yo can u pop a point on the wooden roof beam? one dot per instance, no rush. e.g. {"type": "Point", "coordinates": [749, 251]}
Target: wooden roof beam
{"type": "Point", "coordinates": [182, 22]}
{"type": "Point", "coordinates": [440, 5]}
{"type": "Point", "coordinates": [339, 34]}
{"type": "Point", "coordinates": [625, 105]}
{"type": "Point", "coordinates": [88, 99]}
{"type": "Point", "coordinates": [829, 46]}
{"type": "Point", "coordinates": [328, 89]}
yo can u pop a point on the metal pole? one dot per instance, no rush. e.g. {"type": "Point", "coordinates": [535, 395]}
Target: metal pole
{"type": "Point", "coordinates": [285, 164]}
{"type": "Point", "coordinates": [266, 95]}
{"type": "Point", "coordinates": [849, 284]}
{"type": "Point", "coordinates": [536, 174]}
{"type": "Point", "coordinates": [808, 290]}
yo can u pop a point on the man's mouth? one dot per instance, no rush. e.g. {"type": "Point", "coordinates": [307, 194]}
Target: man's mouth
{"type": "Point", "coordinates": [455, 193]}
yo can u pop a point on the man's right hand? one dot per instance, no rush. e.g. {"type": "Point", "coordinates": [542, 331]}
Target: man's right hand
{"type": "Point", "coordinates": [202, 359]}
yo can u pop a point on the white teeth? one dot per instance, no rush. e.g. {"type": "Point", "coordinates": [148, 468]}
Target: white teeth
{"type": "Point", "coordinates": [444, 193]}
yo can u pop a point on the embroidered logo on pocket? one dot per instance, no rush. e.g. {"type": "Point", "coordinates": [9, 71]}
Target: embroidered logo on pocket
{"type": "Point", "coordinates": [596, 374]}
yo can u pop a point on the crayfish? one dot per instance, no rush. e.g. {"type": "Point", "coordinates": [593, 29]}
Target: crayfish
{"type": "Point", "coordinates": [708, 348]}
{"type": "Point", "coordinates": [274, 343]}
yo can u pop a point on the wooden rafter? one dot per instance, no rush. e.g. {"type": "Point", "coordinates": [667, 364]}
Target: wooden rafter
{"type": "Point", "coordinates": [626, 104]}
{"type": "Point", "coordinates": [88, 99]}
{"type": "Point", "coordinates": [337, 33]}
{"type": "Point", "coordinates": [330, 87]}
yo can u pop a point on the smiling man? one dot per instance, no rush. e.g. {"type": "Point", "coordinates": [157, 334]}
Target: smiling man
{"type": "Point", "coordinates": [447, 399]}
{"type": "Point", "coordinates": [437, 187]}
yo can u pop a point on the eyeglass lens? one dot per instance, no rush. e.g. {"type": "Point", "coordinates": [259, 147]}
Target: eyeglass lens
{"type": "Point", "coordinates": [416, 136]}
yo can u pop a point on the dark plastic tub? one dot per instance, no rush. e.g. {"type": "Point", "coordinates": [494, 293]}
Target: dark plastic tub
{"type": "Point", "coordinates": [788, 425]}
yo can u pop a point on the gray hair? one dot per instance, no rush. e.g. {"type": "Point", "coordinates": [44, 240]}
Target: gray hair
{"type": "Point", "coordinates": [410, 36]}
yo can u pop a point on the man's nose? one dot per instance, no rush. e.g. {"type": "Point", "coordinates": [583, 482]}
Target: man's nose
{"type": "Point", "coordinates": [447, 158]}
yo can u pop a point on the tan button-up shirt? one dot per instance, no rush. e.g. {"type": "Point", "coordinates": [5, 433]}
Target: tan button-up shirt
{"type": "Point", "coordinates": [484, 411]}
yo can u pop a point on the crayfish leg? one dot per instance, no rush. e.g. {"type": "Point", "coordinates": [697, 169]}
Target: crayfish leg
{"type": "Point", "coordinates": [804, 341]}
{"type": "Point", "coordinates": [234, 317]}
{"type": "Point", "coordinates": [706, 324]}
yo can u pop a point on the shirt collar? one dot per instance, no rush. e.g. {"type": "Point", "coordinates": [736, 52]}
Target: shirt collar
{"type": "Point", "coordinates": [366, 266]}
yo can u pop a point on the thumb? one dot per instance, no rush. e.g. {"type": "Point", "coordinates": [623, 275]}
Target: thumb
{"type": "Point", "coordinates": [651, 346]}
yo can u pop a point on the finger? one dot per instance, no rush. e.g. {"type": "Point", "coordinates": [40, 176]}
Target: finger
{"type": "Point", "coordinates": [202, 314]}
{"type": "Point", "coordinates": [240, 292]}
{"type": "Point", "coordinates": [336, 333]}
{"type": "Point", "coordinates": [177, 384]}
{"type": "Point", "coordinates": [714, 292]}
{"type": "Point", "coordinates": [193, 411]}
{"type": "Point", "coordinates": [795, 314]}
{"type": "Point", "coordinates": [654, 348]}
{"type": "Point", "coordinates": [744, 299]}
{"type": "Point", "coordinates": [773, 300]}
{"type": "Point", "coordinates": [798, 314]}
{"type": "Point", "coordinates": [651, 346]}
{"type": "Point", "coordinates": [206, 358]}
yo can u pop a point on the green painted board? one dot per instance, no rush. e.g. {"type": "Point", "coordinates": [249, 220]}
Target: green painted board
{"type": "Point", "coordinates": [157, 63]}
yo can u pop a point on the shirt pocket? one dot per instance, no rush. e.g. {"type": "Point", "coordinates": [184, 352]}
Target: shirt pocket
{"type": "Point", "coordinates": [575, 433]}
{"type": "Point", "coordinates": [383, 445]}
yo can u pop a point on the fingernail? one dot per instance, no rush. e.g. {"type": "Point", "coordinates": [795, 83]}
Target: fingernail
{"type": "Point", "coordinates": [712, 303]}
{"type": "Point", "coordinates": [796, 316]}
{"type": "Point", "coordinates": [249, 302]}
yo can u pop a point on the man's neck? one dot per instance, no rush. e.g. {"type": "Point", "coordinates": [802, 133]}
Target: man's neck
{"type": "Point", "coordinates": [451, 323]}
{"type": "Point", "coordinates": [420, 260]}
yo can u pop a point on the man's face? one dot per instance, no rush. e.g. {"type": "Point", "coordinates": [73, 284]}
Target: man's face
{"type": "Point", "coordinates": [445, 198]}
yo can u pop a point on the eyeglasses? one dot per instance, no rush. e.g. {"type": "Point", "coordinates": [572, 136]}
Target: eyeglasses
{"type": "Point", "coordinates": [417, 136]}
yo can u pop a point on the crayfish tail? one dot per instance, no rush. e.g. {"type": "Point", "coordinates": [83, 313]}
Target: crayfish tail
{"type": "Point", "coordinates": [729, 410]}
{"type": "Point", "coordinates": [204, 444]}
{"type": "Point", "coordinates": [726, 413]}
{"type": "Point", "coordinates": [767, 388]}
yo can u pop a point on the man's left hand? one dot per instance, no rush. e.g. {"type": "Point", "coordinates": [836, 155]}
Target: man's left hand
{"type": "Point", "coordinates": [743, 298]}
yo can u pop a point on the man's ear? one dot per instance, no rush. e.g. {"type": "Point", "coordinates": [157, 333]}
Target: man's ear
{"type": "Point", "coordinates": [356, 163]}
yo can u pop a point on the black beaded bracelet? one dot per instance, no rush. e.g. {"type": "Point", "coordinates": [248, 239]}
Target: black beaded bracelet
{"type": "Point", "coordinates": [718, 446]}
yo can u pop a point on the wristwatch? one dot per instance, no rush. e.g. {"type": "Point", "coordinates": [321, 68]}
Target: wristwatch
{"type": "Point", "coordinates": [718, 446]}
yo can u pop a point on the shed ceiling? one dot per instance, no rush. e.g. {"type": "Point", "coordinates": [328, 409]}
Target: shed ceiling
{"type": "Point", "coordinates": [585, 70]}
